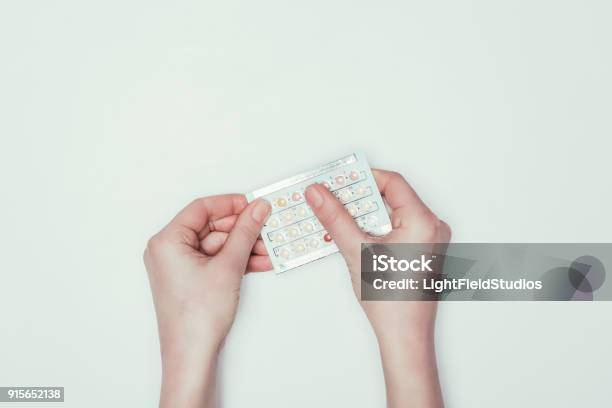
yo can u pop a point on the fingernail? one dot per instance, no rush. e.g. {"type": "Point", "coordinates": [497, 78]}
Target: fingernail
{"type": "Point", "coordinates": [313, 196]}
{"type": "Point", "coordinates": [261, 210]}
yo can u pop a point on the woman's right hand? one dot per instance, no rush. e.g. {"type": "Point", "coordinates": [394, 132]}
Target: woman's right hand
{"type": "Point", "coordinates": [405, 329]}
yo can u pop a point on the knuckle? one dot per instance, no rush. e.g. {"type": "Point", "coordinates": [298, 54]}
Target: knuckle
{"type": "Point", "coordinates": [445, 231]}
{"type": "Point", "coordinates": [145, 255]}
{"type": "Point", "coordinates": [396, 176]}
{"type": "Point", "coordinates": [197, 201]}
{"type": "Point", "coordinates": [155, 244]}
{"type": "Point", "coordinates": [429, 225]}
{"type": "Point", "coordinates": [152, 244]}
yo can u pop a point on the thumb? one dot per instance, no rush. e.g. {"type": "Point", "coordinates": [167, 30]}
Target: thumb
{"type": "Point", "coordinates": [336, 219]}
{"type": "Point", "coordinates": [244, 234]}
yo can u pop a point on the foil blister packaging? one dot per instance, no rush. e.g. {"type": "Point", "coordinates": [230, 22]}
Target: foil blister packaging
{"type": "Point", "coordinates": [292, 234]}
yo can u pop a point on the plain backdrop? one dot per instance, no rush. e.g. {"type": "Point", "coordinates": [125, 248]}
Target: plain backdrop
{"type": "Point", "coordinates": [115, 114]}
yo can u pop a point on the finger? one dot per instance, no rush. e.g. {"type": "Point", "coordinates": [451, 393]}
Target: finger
{"type": "Point", "coordinates": [336, 220]}
{"type": "Point", "coordinates": [259, 248]}
{"type": "Point", "coordinates": [396, 190]}
{"type": "Point", "coordinates": [197, 215]}
{"type": "Point", "coordinates": [213, 242]}
{"type": "Point", "coordinates": [224, 224]}
{"type": "Point", "coordinates": [259, 263]}
{"type": "Point", "coordinates": [241, 239]}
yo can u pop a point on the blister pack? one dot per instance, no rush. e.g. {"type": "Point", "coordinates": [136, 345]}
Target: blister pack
{"type": "Point", "coordinates": [292, 234]}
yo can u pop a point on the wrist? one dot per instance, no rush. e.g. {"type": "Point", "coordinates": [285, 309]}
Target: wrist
{"type": "Point", "coordinates": [406, 347]}
{"type": "Point", "coordinates": [411, 376]}
{"type": "Point", "coordinates": [394, 337]}
{"type": "Point", "coordinates": [189, 375]}
{"type": "Point", "coordinates": [400, 328]}
{"type": "Point", "coordinates": [181, 338]}
{"type": "Point", "coordinates": [189, 361]}
{"type": "Point", "coordinates": [185, 354]}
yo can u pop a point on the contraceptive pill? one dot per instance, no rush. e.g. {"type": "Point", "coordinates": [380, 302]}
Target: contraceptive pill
{"type": "Point", "coordinates": [292, 234]}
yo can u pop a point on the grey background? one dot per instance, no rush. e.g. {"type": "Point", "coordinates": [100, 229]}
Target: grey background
{"type": "Point", "coordinates": [115, 114]}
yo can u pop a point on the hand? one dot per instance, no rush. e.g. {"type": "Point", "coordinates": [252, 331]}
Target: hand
{"type": "Point", "coordinates": [195, 267]}
{"type": "Point", "coordinates": [405, 330]}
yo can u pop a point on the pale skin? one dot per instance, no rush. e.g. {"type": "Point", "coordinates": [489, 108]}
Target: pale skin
{"type": "Point", "coordinates": [196, 264]}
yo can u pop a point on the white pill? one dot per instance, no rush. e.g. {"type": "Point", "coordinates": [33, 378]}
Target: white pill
{"type": "Point", "coordinates": [284, 253]}
{"type": "Point", "coordinates": [313, 243]}
{"type": "Point", "coordinates": [273, 222]}
{"type": "Point", "coordinates": [308, 227]}
{"type": "Point", "coordinates": [278, 237]}
{"type": "Point", "coordinates": [288, 216]}
{"type": "Point", "coordinates": [353, 210]}
{"type": "Point", "coordinates": [299, 248]}
{"type": "Point", "coordinates": [293, 232]}
{"type": "Point", "coordinates": [372, 220]}
{"type": "Point", "coordinates": [301, 212]}
{"type": "Point", "coordinates": [346, 196]}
